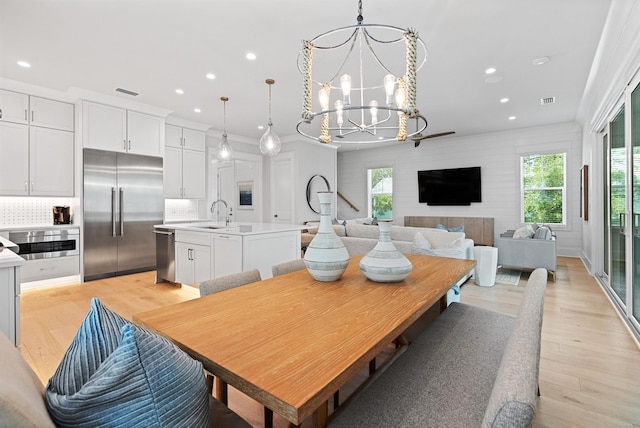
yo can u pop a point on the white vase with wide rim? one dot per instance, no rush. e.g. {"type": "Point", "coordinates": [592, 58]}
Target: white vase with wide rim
{"type": "Point", "coordinates": [385, 263]}
{"type": "Point", "coordinates": [326, 257]}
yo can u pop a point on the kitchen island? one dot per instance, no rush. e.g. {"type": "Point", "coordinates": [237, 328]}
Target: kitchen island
{"type": "Point", "coordinates": [206, 250]}
{"type": "Point", "coordinates": [10, 264]}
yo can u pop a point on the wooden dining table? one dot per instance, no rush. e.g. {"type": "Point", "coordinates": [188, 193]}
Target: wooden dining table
{"type": "Point", "coordinates": [290, 342]}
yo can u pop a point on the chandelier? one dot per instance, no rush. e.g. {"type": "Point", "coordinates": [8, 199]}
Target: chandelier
{"type": "Point", "coordinates": [224, 152]}
{"type": "Point", "coordinates": [374, 100]}
{"type": "Point", "coordinates": [270, 142]}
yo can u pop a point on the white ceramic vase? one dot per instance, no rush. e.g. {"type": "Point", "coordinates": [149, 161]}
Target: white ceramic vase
{"type": "Point", "coordinates": [326, 257]}
{"type": "Point", "coordinates": [385, 263]}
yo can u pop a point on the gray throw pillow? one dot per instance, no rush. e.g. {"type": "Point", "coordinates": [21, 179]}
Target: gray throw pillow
{"type": "Point", "coordinates": [140, 380]}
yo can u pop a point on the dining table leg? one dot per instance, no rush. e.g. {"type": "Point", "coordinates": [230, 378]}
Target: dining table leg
{"type": "Point", "coordinates": [320, 415]}
{"type": "Point", "coordinates": [221, 391]}
{"type": "Point", "coordinates": [443, 303]}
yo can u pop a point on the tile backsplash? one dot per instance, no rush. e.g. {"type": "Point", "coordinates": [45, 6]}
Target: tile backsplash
{"type": "Point", "coordinates": [181, 209]}
{"type": "Point", "coordinates": [26, 211]}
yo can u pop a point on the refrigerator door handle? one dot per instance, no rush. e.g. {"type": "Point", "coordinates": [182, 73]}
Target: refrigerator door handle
{"type": "Point", "coordinates": [113, 211]}
{"type": "Point", "coordinates": [121, 211]}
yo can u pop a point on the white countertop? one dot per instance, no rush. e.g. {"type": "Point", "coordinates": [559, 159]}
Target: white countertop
{"type": "Point", "coordinates": [241, 228]}
{"type": "Point", "coordinates": [40, 227]}
{"type": "Point", "coordinates": [7, 257]}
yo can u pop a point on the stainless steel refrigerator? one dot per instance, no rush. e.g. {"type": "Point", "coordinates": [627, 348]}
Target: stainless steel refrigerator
{"type": "Point", "coordinates": [123, 199]}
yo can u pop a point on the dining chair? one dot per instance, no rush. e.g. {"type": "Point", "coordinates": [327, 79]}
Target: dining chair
{"type": "Point", "coordinates": [287, 267]}
{"type": "Point", "coordinates": [226, 282]}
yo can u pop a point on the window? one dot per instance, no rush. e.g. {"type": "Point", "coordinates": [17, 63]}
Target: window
{"type": "Point", "coordinates": [543, 188]}
{"type": "Point", "coordinates": [380, 193]}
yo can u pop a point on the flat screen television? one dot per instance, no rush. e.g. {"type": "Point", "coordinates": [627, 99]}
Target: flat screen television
{"type": "Point", "coordinates": [457, 186]}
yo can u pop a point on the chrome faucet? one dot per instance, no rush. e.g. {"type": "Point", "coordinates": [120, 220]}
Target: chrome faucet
{"type": "Point", "coordinates": [227, 219]}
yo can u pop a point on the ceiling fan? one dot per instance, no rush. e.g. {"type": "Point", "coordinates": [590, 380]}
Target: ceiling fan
{"type": "Point", "coordinates": [419, 137]}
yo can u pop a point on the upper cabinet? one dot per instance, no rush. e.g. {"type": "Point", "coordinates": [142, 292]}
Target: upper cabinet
{"type": "Point", "coordinates": [14, 107]}
{"type": "Point", "coordinates": [119, 130]}
{"type": "Point", "coordinates": [25, 109]}
{"type": "Point", "coordinates": [184, 163]}
{"type": "Point", "coordinates": [36, 146]}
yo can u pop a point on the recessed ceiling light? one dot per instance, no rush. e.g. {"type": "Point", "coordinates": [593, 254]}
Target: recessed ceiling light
{"type": "Point", "coordinates": [541, 60]}
{"type": "Point", "coordinates": [24, 64]}
{"type": "Point", "coordinates": [512, 118]}
{"type": "Point", "coordinates": [260, 127]}
{"type": "Point", "coordinates": [493, 79]}
{"type": "Point", "coordinates": [251, 56]}
{"type": "Point", "coordinates": [211, 76]}
{"type": "Point", "coordinates": [197, 110]}
{"type": "Point", "coordinates": [504, 100]}
{"type": "Point", "coordinates": [490, 70]}
{"type": "Point", "coordinates": [179, 91]}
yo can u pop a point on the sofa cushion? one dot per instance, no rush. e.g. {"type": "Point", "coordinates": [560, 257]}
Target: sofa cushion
{"type": "Point", "coordinates": [21, 403]}
{"type": "Point", "coordinates": [405, 233]}
{"type": "Point", "coordinates": [125, 377]}
{"type": "Point", "coordinates": [524, 232]}
{"type": "Point", "coordinates": [362, 231]}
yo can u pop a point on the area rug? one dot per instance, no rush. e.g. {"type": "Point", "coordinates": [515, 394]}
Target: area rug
{"type": "Point", "coordinates": [508, 276]}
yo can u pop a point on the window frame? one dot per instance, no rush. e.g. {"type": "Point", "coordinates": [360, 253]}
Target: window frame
{"type": "Point", "coordinates": [565, 153]}
{"type": "Point", "coordinates": [369, 200]}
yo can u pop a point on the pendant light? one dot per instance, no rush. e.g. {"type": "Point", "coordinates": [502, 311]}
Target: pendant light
{"type": "Point", "coordinates": [270, 142]}
{"type": "Point", "coordinates": [224, 152]}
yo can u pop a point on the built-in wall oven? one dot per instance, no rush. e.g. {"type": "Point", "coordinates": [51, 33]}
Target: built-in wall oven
{"type": "Point", "coordinates": [49, 253]}
{"type": "Point", "coordinates": [44, 244]}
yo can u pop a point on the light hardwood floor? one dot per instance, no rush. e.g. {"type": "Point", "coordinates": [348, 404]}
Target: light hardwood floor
{"type": "Point", "coordinates": [589, 367]}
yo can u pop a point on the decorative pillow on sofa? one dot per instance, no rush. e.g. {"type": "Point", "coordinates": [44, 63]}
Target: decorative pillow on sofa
{"type": "Point", "coordinates": [144, 381]}
{"type": "Point", "coordinates": [450, 229]}
{"type": "Point", "coordinates": [524, 232]}
{"type": "Point", "coordinates": [543, 232]}
{"type": "Point", "coordinates": [454, 249]}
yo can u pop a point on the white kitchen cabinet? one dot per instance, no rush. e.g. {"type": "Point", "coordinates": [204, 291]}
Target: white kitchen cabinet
{"type": "Point", "coordinates": [227, 254]}
{"type": "Point", "coordinates": [51, 163]}
{"type": "Point", "coordinates": [262, 251]}
{"type": "Point", "coordinates": [184, 163]}
{"type": "Point", "coordinates": [14, 159]}
{"type": "Point", "coordinates": [119, 130]}
{"type": "Point", "coordinates": [21, 108]}
{"type": "Point", "coordinates": [10, 295]}
{"type": "Point", "coordinates": [14, 107]}
{"type": "Point", "coordinates": [35, 161]}
{"type": "Point", "coordinates": [193, 257]}
{"type": "Point", "coordinates": [51, 114]}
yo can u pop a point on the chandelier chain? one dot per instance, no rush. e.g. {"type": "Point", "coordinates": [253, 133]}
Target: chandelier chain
{"type": "Point", "coordinates": [360, 12]}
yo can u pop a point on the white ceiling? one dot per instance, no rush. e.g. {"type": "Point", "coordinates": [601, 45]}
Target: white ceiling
{"type": "Point", "coordinates": [154, 47]}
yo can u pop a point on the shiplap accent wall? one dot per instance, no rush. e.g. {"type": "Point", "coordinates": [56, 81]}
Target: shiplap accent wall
{"type": "Point", "coordinates": [498, 154]}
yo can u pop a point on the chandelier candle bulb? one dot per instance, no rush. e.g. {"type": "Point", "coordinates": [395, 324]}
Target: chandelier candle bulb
{"type": "Point", "coordinates": [345, 83]}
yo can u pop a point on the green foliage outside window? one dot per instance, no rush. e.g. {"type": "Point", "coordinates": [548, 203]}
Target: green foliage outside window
{"type": "Point", "coordinates": [381, 203]}
{"type": "Point", "coordinates": [543, 182]}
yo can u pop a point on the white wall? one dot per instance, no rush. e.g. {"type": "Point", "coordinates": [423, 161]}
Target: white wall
{"type": "Point", "coordinates": [311, 158]}
{"type": "Point", "coordinates": [498, 154]}
{"type": "Point", "coordinates": [617, 61]}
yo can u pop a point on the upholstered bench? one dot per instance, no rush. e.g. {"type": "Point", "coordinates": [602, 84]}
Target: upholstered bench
{"type": "Point", "coordinates": [471, 367]}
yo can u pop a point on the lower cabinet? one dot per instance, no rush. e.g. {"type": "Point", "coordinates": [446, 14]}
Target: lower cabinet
{"type": "Point", "coordinates": [227, 254]}
{"type": "Point", "coordinates": [193, 263]}
{"type": "Point", "coordinates": [204, 255]}
{"type": "Point", "coordinates": [10, 303]}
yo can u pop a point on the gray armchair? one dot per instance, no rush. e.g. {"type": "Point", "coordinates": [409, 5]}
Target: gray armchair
{"type": "Point", "coordinates": [528, 253]}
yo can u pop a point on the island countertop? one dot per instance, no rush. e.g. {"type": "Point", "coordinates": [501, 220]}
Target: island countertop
{"type": "Point", "coordinates": [7, 257]}
{"type": "Point", "coordinates": [240, 228]}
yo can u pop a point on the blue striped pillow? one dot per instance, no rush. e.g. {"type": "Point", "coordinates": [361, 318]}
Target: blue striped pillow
{"type": "Point", "coordinates": [141, 379]}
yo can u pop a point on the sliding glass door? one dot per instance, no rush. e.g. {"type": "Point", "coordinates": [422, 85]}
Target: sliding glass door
{"type": "Point", "coordinates": [634, 298]}
{"type": "Point", "coordinates": [617, 161]}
